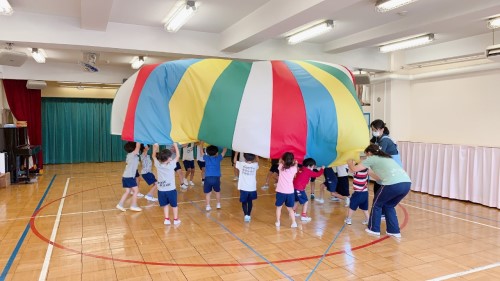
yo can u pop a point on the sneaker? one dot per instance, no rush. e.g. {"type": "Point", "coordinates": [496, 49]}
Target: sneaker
{"type": "Point", "coordinates": [372, 232]}
{"type": "Point", "coordinates": [120, 208]}
{"type": "Point", "coordinates": [334, 199]}
{"type": "Point", "coordinates": [218, 205]}
{"type": "Point", "coordinates": [235, 178]}
{"type": "Point", "coordinates": [185, 182]}
{"type": "Point", "coordinates": [191, 183]}
{"type": "Point", "coordinates": [140, 195]}
{"type": "Point", "coordinates": [177, 222]}
{"type": "Point", "coordinates": [208, 208]}
{"type": "Point", "coordinates": [166, 222]}
{"type": "Point", "coordinates": [247, 218]}
{"type": "Point", "coordinates": [312, 196]}
{"type": "Point", "coordinates": [135, 208]}
{"type": "Point", "coordinates": [321, 201]}
{"type": "Point", "coordinates": [294, 225]}
{"type": "Point", "coordinates": [365, 222]}
{"type": "Point", "coordinates": [347, 201]}
{"type": "Point", "coordinates": [382, 218]}
{"type": "Point", "coordinates": [348, 221]}
{"type": "Point", "coordinates": [397, 235]}
{"type": "Point", "coordinates": [305, 218]}
{"type": "Point", "coordinates": [265, 187]}
{"type": "Point", "coordinates": [277, 224]}
{"type": "Point", "coordinates": [184, 186]}
{"type": "Point", "coordinates": [151, 198]}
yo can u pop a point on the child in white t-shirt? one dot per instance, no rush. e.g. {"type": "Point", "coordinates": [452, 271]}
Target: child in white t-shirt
{"type": "Point", "coordinates": [247, 182]}
{"type": "Point", "coordinates": [167, 193]}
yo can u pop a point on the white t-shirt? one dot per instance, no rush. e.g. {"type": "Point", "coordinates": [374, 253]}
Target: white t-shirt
{"type": "Point", "coordinates": [248, 171]}
{"type": "Point", "coordinates": [187, 153]}
{"type": "Point", "coordinates": [342, 170]}
{"type": "Point", "coordinates": [147, 164]}
{"type": "Point", "coordinates": [166, 175]}
{"type": "Point", "coordinates": [199, 154]}
{"type": "Point", "coordinates": [132, 164]}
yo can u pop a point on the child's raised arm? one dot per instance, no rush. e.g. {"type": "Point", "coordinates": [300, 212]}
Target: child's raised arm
{"type": "Point", "coordinates": [137, 148]}
{"type": "Point", "coordinates": [155, 150]}
{"type": "Point", "coordinates": [235, 158]}
{"type": "Point", "coordinates": [224, 150]}
{"type": "Point", "coordinates": [200, 148]}
{"type": "Point", "coordinates": [176, 153]}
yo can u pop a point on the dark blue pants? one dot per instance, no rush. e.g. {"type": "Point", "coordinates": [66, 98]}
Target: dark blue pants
{"type": "Point", "coordinates": [385, 200]}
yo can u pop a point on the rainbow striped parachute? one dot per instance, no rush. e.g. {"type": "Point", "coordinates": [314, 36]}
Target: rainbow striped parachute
{"type": "Point", "coordinates": [266, 108]}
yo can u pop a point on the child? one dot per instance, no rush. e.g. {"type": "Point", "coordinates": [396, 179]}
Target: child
{"type": "Point", "coordinates": [129, 176]}
{"type": "Point", "coordinates": [146, 173]}
{"type": "Point", "coordinates": [342, 191]}
{"type": "Point", "coordinates": [188, 161]}
{"type": "Point", "coordinates": [247, 182]}
{"type": "Point", "coordinates": [360, 195]}
{"type": "Point", "coordinates": [273, 172]}
{"type": "Point", "coordinates": [330, 184]}
{"type": "Point", "coordinates": [201, 162]}
{"type": "Point", "coordinates": [300, 182]}
{"type": "Point", "coordinates": [178, 169]}
{"type": "Point", "coordinates": [212, 173]}
{"type": "Point", "coordinates": [284, 189]}
{"type": "Point", "coordinates": [167, 194]}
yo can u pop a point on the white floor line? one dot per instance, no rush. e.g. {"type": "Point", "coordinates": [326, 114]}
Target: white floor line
{"type": "Point", "coordinates": [476, 269]}
{"type": "Point", "coordinates": [475, 222]}
{"type": "Point", "coordinates": [48, 255]}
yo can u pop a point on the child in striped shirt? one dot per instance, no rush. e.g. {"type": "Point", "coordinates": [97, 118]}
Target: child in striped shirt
{"type": "Point", "coordinates": [359, 197]}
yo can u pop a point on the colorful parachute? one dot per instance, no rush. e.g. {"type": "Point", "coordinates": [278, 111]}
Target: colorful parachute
{"type": "Point", "coordinates": [267, 107]}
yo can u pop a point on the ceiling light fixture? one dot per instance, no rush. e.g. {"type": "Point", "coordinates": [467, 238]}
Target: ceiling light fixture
{"type": "Point", "coordinates": [137, 62]}
{"type": "Point", "coordinates": [310, 32]}
{"type": "Point", "coordinates": [407, 43]}
{"type": "Point", "coordinates": [180, 14]}
{"type": "Point", "coordinates": [5, 8]}
{"type": "Point", "coordinates": [494, 23]}
{"type": "Point", "coordinates": [387, 5]}
{"type": "Point", "coordinates": [38, 55]}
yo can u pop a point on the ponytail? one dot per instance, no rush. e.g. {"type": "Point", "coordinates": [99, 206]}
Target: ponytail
{"type": "Point", "coordinates": [375, 150]}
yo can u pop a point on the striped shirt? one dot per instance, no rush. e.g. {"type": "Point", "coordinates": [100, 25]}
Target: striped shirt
{"type": "Point", "coordinates": [360, 181]}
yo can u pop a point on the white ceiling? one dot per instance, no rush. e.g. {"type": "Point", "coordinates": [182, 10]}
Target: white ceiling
{"type": "Point", "coordinates": [242, 29]}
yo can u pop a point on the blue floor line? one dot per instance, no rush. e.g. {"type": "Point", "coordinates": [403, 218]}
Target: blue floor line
{"type": "Point", "coordinates": [23, 236]}
{"type": "Point", "coordinates": [326, 252]}
{"type": "Point", "coordinates": [243, 242]}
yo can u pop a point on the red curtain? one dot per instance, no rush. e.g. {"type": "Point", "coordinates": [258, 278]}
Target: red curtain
{"type": "Point", "coordinates": [26, 105]}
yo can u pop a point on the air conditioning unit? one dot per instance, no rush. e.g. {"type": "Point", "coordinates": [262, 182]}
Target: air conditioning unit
{"type": "Point", "coordinates": [36, 84]}
{"type": "Point", "coordinates": [12, 58]}
{"type": "Point", "coordinates": [493, 53]}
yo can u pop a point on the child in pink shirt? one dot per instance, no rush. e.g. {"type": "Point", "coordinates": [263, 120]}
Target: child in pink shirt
{"type": "Point", "coordinates": [284, 190]}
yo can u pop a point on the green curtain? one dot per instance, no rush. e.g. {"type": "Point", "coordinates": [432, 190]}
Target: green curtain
{"type": "Point", "coordinates": [78, 131]}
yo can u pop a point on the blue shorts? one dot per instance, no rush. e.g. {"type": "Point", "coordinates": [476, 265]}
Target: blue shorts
{"type": "Point", "coordinates": [201, 164]}
{"type": "Point", "coordinates": [246, 196]}
{"type": "Point", "coordinates": [136, 173]}
{"type": "Point", "coordinates": [177, 167]}
{"type": "Point", "coordinates": [188, 164]}
{"type": "Point", "coordinates": [359, 199]}
{"type": "Point", "coordinates": [301, 196]}
{"type": "Point", "coordinates": [129, 182]}
{"type": "Point", "coordinates": [343, 185]}
{"type": "Point", "coordinates": [167, 198]}
{"type": "Point", "coordinates": [288, 199]}
{"type": "Point", "coordinates": [149, 178]}
{"type": "Point", "coordinates": [330, 179]}
{"type": "Point", "coordinates": [211, 183]}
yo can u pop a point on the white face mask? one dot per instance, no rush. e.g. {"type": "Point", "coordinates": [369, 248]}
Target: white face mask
{"type": "Point", "coordinates": [376, 134]}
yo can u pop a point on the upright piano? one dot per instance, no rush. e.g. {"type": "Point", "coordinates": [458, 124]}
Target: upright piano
{"type": "Point", "coordinates": [14, 142]}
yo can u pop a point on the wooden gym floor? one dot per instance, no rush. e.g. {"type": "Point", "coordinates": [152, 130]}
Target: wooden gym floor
{"type": "Point", "coordinates": [66, 227]}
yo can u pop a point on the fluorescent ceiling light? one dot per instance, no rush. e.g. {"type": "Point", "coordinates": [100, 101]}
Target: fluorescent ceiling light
{"type": "Point", "coordinates": [38, 55]}
{"type": "Point", "coordinates": [407, 43]}
{"type": "Point", "coordinates": [494, 23]}
{"type": "Point", "coordinates": [137, 62]}
{"type": "Point", "coordinates": [5, 8]}
{"type": "Point", "coordinates": [387, 5]}
{"type": "Point", "coordinates": [180, 14]}
{"type": "Point", "coordinates": [310, 32]}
